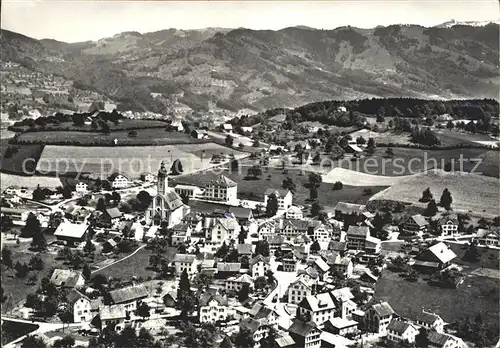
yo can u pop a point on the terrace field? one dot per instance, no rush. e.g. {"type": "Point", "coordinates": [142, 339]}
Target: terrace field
{"type": "Point", "coordinates": [130, 160]}
{"type": "Point", "coordinates": [471, 193]}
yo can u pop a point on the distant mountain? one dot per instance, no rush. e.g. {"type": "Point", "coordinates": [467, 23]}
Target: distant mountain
{"type": "Point", "coordinates": [453, 22]}
{"type": "Point", "coordinates": [262, 69]}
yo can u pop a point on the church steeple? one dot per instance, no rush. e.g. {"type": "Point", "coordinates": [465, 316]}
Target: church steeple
{"type": "Point", "coordinates": [162, 179]}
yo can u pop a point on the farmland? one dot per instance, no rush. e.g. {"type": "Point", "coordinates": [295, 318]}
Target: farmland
{"type": "Point", "coordinates": [130, 160]}
{"type": "Point", "coordinates": [470, 192]}
{"type": "Point", "coordinates": [273, 178]}
{"type": "Point", "coordinates": [7, 180]}
{"type": "Point", "coordinates": [12, 160]}
{"type": "Point", "coordinates": [149, 136]}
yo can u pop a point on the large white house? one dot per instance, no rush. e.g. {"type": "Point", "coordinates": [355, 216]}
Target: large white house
{"type": "Point", "coordinates": [284, 197]}
{"type": "Point", "coordinates": [166, 205]}
{"type": "Point", "coordinates": [224, 229]}
{"type": "Point", "coordinates": [300, 289]}
{"type": "Point", "coordinates": [82, 187]}
{"type": "Point", "coordinates": [82, 309]}
{"type": "Point", "coordinates": [222, 189]}
{"type": "Point", "coordinates": [118, 180]}
{"type": "Point", "coordinates": [317, 308]}
{"type": "Point", "coordinates": [213, 308]}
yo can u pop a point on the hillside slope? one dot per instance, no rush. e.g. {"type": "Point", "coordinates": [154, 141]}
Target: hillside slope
{"type": "Point", "coordinates": [242, 68]}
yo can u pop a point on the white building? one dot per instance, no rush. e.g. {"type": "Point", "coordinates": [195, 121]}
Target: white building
{"type": "Point", "coordinates": [284, 197]}
{"type": "Point", "coordinates": [237, 283]}
{"type": "Point", "coordinates": [148, 177]}
{"type": "Point", "coordinates": [300, 289]}
{"type": "Point", "coordinates": [294, 213]}
{"type": "Point", "coordinates": [448, 226]}
{"type": "Point", "coordinates": [259, 265]}
{"type": "Point", "coordinates": [401, 331]}
{"type": "Point", "coordinates": [118, 180]}
{"type": "Point", "coordinates": [213, 308]}
{"type": "Point", "coordinates": [82, 309]}
{"type": "Point", "coordinates": [190, 191]}
{"type": "Point", "coordinates": [430, 321]}
{"type": "Point", "coordinates": [222, 189]}
{"type": "Point", "coordinates": [82, 187]}
{"type": "Point", "coordinates": [318, 309]}
{"type": "Point", "coordinates": [378, 317]}
{"type": "Point", "coordinates": [185, 262]}
{"type": "Point", "coordinates": [224, 229]}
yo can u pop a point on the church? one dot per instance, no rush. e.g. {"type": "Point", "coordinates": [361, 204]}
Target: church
{"type": "Point", "coordinates": [167, 205]}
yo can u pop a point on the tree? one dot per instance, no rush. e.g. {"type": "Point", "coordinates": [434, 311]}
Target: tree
{"type": "Point", "coordinates": [243, 339]}
{"type": "Point", "coordinates": [260, 283]}
{"type": "Point", "coordinates": [176, 168]}
{"type": "Point", "coordinates": [127, 338]}
{"type": "Point", "coordinates": [242, 235]}
{"type": "Point", "coordinates": [229, 140]}
{"type": "Point", "coordinates": [145, 339]}
{"type": "Point", "coordinates": [226, 343]}
{"type": "Point", "coordinates": [143, 199]}
{"type": "Point", "coordinates": [241, 146]}
{"type": "Point", "coordinates": [370, 146]}
{"type": "Point", "coordinates": [450, 125]}
{"type": "Point", "coordinates": [262, 248]}
{"type": "Point", "coordinates": [288, 184]}
{"type": "Point", "coordinates": [446, 199]}
{"type": "Point", "coordinates": [101, 204]}
{"type": "Point", "coordinates": [33, 301]}
{"type": "Point", "coordinates": [22, 269]}
{"type": "Point", "coordinates": [7, 257]}
{"type": "Point", "coordinates": [33, 342]}
{"type": "Point", "coordinates": [204, 279]}
{"type": "Point", "coordinates": [38, 242]}
{"type": "Point", "coordinates": [272, 205]}
{"type": "Point", "coordinates": [39, 194]}
{"type": "Point", "coordinates": [338, 185]}
{"type": "Point", "coordinates": [36, 263]}
{"type": "Point", "coordinates": [32, 226]}
{"type": "Point", "coordinates": [256, 143]}
{"type": "Point", "coordinates": [243, 293]}
{"type": "Point", "coordinates": [155, 261]}
{"type": "Point", "coordinates": [389, 152]}
{"type": "Point", "coordinates": [235, 165]}
{"type": "Point", "coordinates": [431, 209]}
{"type": "Point", "coordinates": [472, 254]}
{"type": "Point", "coordinates": [86, 272]}
{"type": "Point", "coordinates": [186, 300]}
{"type": "Point", "coordinates": [426, 196]}
{"type": "Point", "coordinates": [143, 310]}
{"type": "Point", "coordinates": [254, 172]}
{"type": "Point", "coordinates": [115, 196]}
{"type": "Point", "coordinates": [105, 127]}
{"type": "Point", "coordinates": [422, 339]}
{"type": "Point", "coordinates": [316, 208]}
{"type": "Point", "coordinates": [315, 180]}
{"type": "Point", "coordinates": [77, 259]}
{"type": "Point", "coordinates": [360, 140]}
{"type": "Point", "coordinates": [315, 247]}
{"type": "Point", "coordinates": [89, 247]}
{"type": "Point", "coordinates": [317, 158]}
{"type": "Point", "coordinates": [313, 193]}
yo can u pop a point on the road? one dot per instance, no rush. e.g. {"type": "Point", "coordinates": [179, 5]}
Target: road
{"type": "Point", "coordinates": [120, 260]}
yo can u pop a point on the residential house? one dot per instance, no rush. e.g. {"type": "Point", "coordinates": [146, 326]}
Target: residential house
{"type": "Point", "coordinates": [436, 257]}
{"type": "Point", "coordinates": [284, 197]}
{"type": "Point", "coordinates": [320, 266]}
{"type": "Point", "coordinates": [110, 216]}
{"type": "Point", "coordinates": [441, 340]}
{"type": "Point", "coordinates": [368, 277]}
{"type": "Point", "coordinates": [181, 234]}
{"type": "Point", "coordinates": [227, 128]}
{"type": "Point", "coordinates": [82, 187]}
{"type": "Point", "coordinates": [243, 215]}
{"type": "Point", "coordinates": [258, 329]}
{"type": "Point", "coordinates": [448, 226]}
{"type": "Point", "coordinates": [113, 315]}
{"type": "Point", "coordinates": [343, 209]}
{"type": "Point", "coordinates": [246, 130]}
{"type": "Point", "coordinates": [294, 212]}
{"type": "Point", "coordinates": [305, 334]}
{"type": "Point", "coordinates": [18, 216]}
{"type": "Point", "coordinates": [228, 269]}
{"type": "Point", "coordinates": [353, 149]}
{"type": "Point", "coordinates": [356, 237]}
{"type": "Point", "coordinates": [71, 233]}
{"type": "Point", "coordinates": [67, 279]}
{"type": "Point", "coordinates": [199, 134]}
{"type": "Point", "coordinates": [223, 230]}
{"type": "Point", "coordinates": [415, 225]}
{"type": "Point", "coordinates": [185, 262]}
{"type": "Point", "coordinates": [317, 308]}
{"type": "Point", "coordinates": [430, 321]}
{"type": "Point", "coordinates": [77, 213]}
{"type": "Point", "coordinates": [261, 312]}
{"type": "Point", "coordinates": [285, 341]}
{"type": "Point", "coordinates": [170, 299]}
{"type": "Point", "coordinates": [344, 266]}
{"type": "Point", "coordinates": [291, 228]}
{"type": "Point", "coordinates": [486, 237]}
{"type": "Point", "coordinates": [129, 296]}
{"type": "Point", "coordinates": [81, 305]}
{"type": "Point", "coordinates": [237, 283]}
{"type": "Point", "coordinates": [341, 326]}
{"type": "Point", "coordinates": [276, 241]}
{"type": "Point", "coordinates": [212, 308]}
{"type": "Point", "coordinates": [319, 231]}
{"type": "Point", "coordinates": [289, 263]}
{"type": "Point", "coordinates": [378, 316]}
{"type": "Point", "coordinates": [336, 246]}
{"type": "Point", "coordinates": [267, 229]}
{"type": "Point", "coordinates": [190, 191]}
{"type": "Point", "coordinates": [194, 220]}
{"type": "Point", "coordinates": [148, 177]}
{"type": "Point", "coordinates": [343, 299]}
{"type": "Point", "coordinates": [401, 331]}
{"type": "Point", "coordinates": [259, 265]}
{"type": "Point", "coordinates": [373, 245]}
{"type": "Point", "coordinates": [244, 250]}
{"type": "Point", "coordinates": [118, 180]}
{"type": "Point", "coordinates": [301, 288]}
{"type": "Point", "coordinates": [222, 189]}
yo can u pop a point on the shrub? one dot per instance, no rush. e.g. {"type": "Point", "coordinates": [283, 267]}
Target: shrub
{"type": "Point", "coordinates": [338, 185]}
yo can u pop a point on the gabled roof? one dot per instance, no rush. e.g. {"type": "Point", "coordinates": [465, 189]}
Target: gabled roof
{"type": "Point", "coordinates": [240, 212]}
{"type": "Point", "coordinates": [294, 209]}
{"type": "Point", "coordinates": [285, 341]}
{"type": "Point", "coordinates": [279, 192]}
{"type": "Point", "coordinates": [302, 329]}
{"type": "Point", "coordinates": [228, 266]}
{"type": "Point", "coordinates": [275, 239]}
{"type": "Point", "coordinates": [74, 295]}
{"type": "Point", "coordinates": [304, 280]}
{"type": "Point", "coordinates": [383, 309]}
{"type": "Point", "coordinates": [441, 252]}
{"type": "Point", "coordinates": [399, 326]}
{"type": "Point", "coordinates": [321, 264]}
{"type": "Point", "coordinates": [250, 324]}
{"type": "Point", "coordinates": [258, 258]}
{"type": "Point", "coordinates": [448, 220]}
{"type": "Point", "coordinates": [438, 339]}
{"type": "Point", "coordinates": [349, 208]}
{"type": "Point", "coordinates": [223, 181]}
{"type": "Point", "coordinates": [65, 277]}
{"type": "Point", "coordinates": [185, 258]}
{"type": "Point", "coordinates": [481, 233]}
{"type": "Point", "coordinates": [244, 249]}
{"type": "Point", "coordinates": [259, 311]}
{"type": "Point", "coordinates": [229, 224]}
{"type": "Point", "coordinates": [355, 147]}
{"type": "Point", "coordinates": [113, 176]}
{"type": "Point", "coordinates": [114, 212]}
{"type": "Point", "coordinates": [244, 278]}
{"type": "Point", "coordinates": [427, 318]}
{"type": "Point", "coordinates": [318, 302]}
{"type": "Point", "coordinates": [298, 224]}
{"type": "Point", "coordinates": [360, 231]}
{"type": "Point", "coordinates": [68, 229]}
{"type": "Point", "coordinates": [128, 293]}
{"type": "Point", "coordinates": [340, 323]}
{"type": "Point", "coordinates": [172, 200]}
{"type": "Point", "coordinates": [112, 312]}
{"type": "Point", "coordinates": [206, 298]}
{"type": "Point", "coordinates": [342, 294]}
{"type": "Point", "coordinates": [419, 220]}
{"type": "Point", "coordinates": [331, 257]}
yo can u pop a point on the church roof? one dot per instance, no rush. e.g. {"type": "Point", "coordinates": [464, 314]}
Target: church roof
{"type": "Point", "coordinates": [172, 200]}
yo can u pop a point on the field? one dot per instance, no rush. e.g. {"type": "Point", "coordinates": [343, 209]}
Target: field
{"type": "Point", "coordinates": [149, 136]}
{"type": "Point", "coordinates": [130, 160]}
{"type": "Point", "coordinates": [32, 182]}
{"type": "Point", "coordinates": [470, 192]}
{"type": "Point", "coordinates": [273, 178]}
{"type": "Point", "coordinates": [489, 257]}
{"type": "Point", "coordinates": [25, 154]}
{"type": "Point", "coordinates": [13, 330]}
{"type": "Point", "coordinates": [475, 295]}
{"type": "Point", "coordinates": [355, 178]}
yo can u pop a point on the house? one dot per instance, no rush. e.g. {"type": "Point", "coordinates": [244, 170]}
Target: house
{"type": "Point", "coordinates": [113, 315]}
{"type": "Point", "coordinates": [343, 299]}
{"type": "Point", "coordinates": [289, 263]}
{"type": "Point", "coordinates": [71, 233]}
{"type": "Point", "coordinates": [284, 197]}
{"type": "Point", "coordinates": [259, 265]}
{"type": "Point", "coordinates": [441, 340]}
{"type": "Point", "coordinates": [486, 237]}
{"type": "Point", "coordinates": [222, 189]}
{"type": "Point", "coordinates": [294, 212]}
{"type": "Point", "coordinates": [176, 124]}
{"type": "Point", "coordinates": [275, 241]}
{"type": "Point", "coordinates": [243, 215]}
{"type": "Point", "coordinates": [353, 149]}
{"type": "Point", "coordinates": [317, 308]}
{"type": "Point", "coordinates": [244, 250]}
{"type": "Point", "coordinates": [81, 305]}
{"type": "Point", "coordinates": [224, 229]}
{"type": "Point", "coordinates": [247, 129]}
{"type": "Point", "coordinates": [344, 266]}
{"type": "Point", "coordinates": [401, 331]}
{"type": "Point", "coordinates": [185, 262]}
{"type": "Point", "coordinates": [356, 237]}
{"type": "Point", "coordinates": [227, 128]}
{"type": "Point", "coordinates": [167, 205]}
{"type": "Point", "coordinates": [318, 231]}
{"type": "Point", "coordinates": [228, 269]}
{"type": "Point", "coordinates": [415, 225]}
{"type": "Point", "coordinates": [212, 308]}
{"type": "Point", "coordinates": [436, 257]}
{"type": "Point", "coordinates": [300, 289]}
{"type": "Point", "coordinates": [291, 228]}
{"type": "Point", "coordinates": [341, 326]}
{"type": "Point", "coordinates": [320, 266]}
{"type": "Point", "coordinates": [237, 283]}
{"type": "Point", "coordinates": [429, 320]}
{"type": "Point", "coordinates": [77, 213]}
{"type": "Point", "coordinates": [181, 233]}
{"type": "Point", "coordinates": [199, 134]}
{"type": "Point", "coordinates": [285, 341]}
{"type": "Point", "coordinates": [378, 316]}
{"type": "Point", "coordinates": [118, 180]}
{"type": "Point", "coordinates": [267, 229]}
{"type": "Point", "coordinates": [336, 246]}
{"type": "Point", "coordinates": [194, 220]}
{"type": "Point", "coordinates": [262, 312]}
{"type": "Point", "coordinates": [373, 245]}
{"type": "Point", "coordinates": [82, 187]}
{"type": "Point", "coordinates": [342, 210]}
{"type": "Point", "coordinates": [258, 328]}
{"type": "Point", "coordinates": [190, 191]}
{"type": "Point", "coordinates": [67, 279]}
{"type": "Point", "coordinates": [18, 216]}
{"type": "Point", "coordinates": [368, 277]}
{"type": "Point", "coordinates": [170, 299]}
{"type": "Point", "coordinates": [109, 216]}
{"type": "Point", "coordinates": [448, 226]}
{"type": "Point", "coordinates": [305, 334]}
{"type": "Point", "coordinates": [129, 296]}
{"type": "Point", "coordinates": [148, 177]}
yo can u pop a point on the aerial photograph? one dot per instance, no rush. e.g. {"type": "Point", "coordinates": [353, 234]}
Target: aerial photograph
{"type": "Point", "coordinates": [246, 174]}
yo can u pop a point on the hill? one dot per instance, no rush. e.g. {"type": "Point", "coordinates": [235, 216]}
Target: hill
{"type": "Point", "coordinates": [262, 69]}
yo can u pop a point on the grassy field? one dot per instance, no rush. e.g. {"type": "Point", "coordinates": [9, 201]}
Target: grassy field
{"type": "Point", "coordinates": [471, 193]}
{"type": "Point", "coordinates": [14, 162]}
{"type": "Point", "coordinates": [150, 136]}
{"type": "Point", "coordinates": [475, 295]}
{"type": "Point", "coordinates": [273, 178]}
{"type": "Point", "coordinates": [7, 180]}
{"type": "Point", "coordinates": [489, 257]}
{"type": "Point", "coordinates": [12, 330]}
{"type": "Point", "coordinates": [130, 160]}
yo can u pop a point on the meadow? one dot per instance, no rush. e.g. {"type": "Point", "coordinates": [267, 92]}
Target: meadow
{"type": "Point", "coordinates": [31, 182]}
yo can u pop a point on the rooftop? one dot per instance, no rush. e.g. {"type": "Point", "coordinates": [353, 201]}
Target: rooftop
{"type": "Point", "coordinates": [68, 229]}
{"type": "Point", "coordinates": [129, 293]}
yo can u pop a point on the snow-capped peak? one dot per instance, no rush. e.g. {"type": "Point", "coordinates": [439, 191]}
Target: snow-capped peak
{"type": "Point", "coordinates": [453, 22]}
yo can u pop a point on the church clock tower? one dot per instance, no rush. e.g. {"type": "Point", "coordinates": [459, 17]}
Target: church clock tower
{"type": "Point", "coordinates": [162, 180]}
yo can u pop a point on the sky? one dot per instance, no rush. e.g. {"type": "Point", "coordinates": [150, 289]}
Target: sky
{"type": "Point", "coordinates": [74, 21]}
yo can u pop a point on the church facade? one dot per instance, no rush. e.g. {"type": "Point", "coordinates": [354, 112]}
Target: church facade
{"type": "Point", "coordinates": [167, 205]}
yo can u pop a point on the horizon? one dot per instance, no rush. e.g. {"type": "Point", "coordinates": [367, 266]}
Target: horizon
{"type": "Point", "coordinates": [69, 21]}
